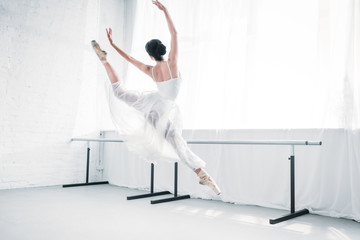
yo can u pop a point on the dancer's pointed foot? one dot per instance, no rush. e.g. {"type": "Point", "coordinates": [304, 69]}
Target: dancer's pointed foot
{"type": "Point", "coordinates": [205, 179]}
{"type": "Point", "coordinates": [99, 52]}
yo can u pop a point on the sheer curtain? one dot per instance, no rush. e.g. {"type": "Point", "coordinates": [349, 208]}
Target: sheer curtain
{"type": "Point", "coordinates": [259, 64]}
{"type": "Point", "coordinates": [257, 69]}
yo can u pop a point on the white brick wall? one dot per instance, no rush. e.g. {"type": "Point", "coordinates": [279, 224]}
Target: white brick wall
{"type": "Point", "coordinates": [49, 88]}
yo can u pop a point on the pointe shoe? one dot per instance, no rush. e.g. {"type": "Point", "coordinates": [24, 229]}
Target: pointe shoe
{"type": "Point", "coordinates": [100, 53]}
{"type": "Point", "coordinates": [205, 179]}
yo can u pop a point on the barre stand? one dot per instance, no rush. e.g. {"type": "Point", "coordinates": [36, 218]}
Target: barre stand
{"type": "Point", "coordinates": [291, 143]}
{"type": "Point", "coordinates": [152, 193]}
{"type": "Point", "coordinates": [87, 183]}
{"type": "Point", "coordinates": [293, 213]}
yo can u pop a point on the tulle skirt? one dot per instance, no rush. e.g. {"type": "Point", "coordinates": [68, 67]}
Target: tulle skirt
{"type": "Point", "coordinates": [150, 125]}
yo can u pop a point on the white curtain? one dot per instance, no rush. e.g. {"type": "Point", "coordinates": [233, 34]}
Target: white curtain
{"type": "Point", "coordinates": [260, 64]}
{"type": "Point", "coordinates": [257, 69]}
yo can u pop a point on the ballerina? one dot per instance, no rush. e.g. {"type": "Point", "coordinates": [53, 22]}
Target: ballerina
{"type": "Point", "coordinates": [158, 109]}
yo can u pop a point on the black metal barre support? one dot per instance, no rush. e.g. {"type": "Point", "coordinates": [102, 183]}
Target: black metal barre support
{"type": "Point", "coordinates": [176, 196]}
{"type": "Point", "coordinates": [151, 194]}
{"type": "Point", "coordinates": [293, 213]}
{"type": "Point", "coordinates": [87, 174]}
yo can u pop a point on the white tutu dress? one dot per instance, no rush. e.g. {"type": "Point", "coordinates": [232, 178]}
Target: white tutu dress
{"type": "Point", "coordinates": [150, 122]}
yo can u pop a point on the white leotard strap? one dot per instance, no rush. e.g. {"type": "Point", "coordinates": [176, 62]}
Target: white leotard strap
{"type": "Point", "coordinates": [153, 74]}
{"type": "Point", "coordinates": [169, 69]}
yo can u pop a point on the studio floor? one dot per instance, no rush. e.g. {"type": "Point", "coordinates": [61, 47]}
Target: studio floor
{"type": "Point", "coordinates": [102, 212]}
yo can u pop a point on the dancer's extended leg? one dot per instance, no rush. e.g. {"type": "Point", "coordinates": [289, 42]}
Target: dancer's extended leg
{"type": "Point", "coordinates": [190, 159]}
{"type": "Point", "coordinates": [111, 73]}
{"type": "Point", "coordinates": [127, 96]}
{"type": "Point", "coordinates": [102, 56]}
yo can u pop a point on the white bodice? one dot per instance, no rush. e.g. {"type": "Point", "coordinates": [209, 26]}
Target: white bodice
{"type": "Point", "coordinates": [169, 89]}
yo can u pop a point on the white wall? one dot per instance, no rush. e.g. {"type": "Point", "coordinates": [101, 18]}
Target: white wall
{"type": "Point", "coordinates": [49, 76]}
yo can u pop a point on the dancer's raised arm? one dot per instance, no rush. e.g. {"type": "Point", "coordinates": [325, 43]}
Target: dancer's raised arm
{"type": "Point", "coordinates": [143, 67]}
{"type": "Point", "coordinates": [173, 54]}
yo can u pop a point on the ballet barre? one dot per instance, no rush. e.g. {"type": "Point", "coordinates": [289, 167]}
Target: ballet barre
{"type": "Point", "coordinates": [87, 183]}
{"type": "Point", "coordinates": [255, 142]}
{"type": "Point", "coordinates": [292, 143]}
{"type": "Point", "coordinates": [175, 197]}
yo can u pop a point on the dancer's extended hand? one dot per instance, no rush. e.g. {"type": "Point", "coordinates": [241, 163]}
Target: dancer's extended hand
{"type": "Point", "coordinates": [159, 5]}
{"type": "Point", "coordinates": [109, 35]}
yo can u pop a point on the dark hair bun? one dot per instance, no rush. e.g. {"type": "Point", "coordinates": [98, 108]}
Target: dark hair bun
{"type": "Point", "coordinates": [156, 49]}
{"type": "Point", "coordinates": [161, 49]}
